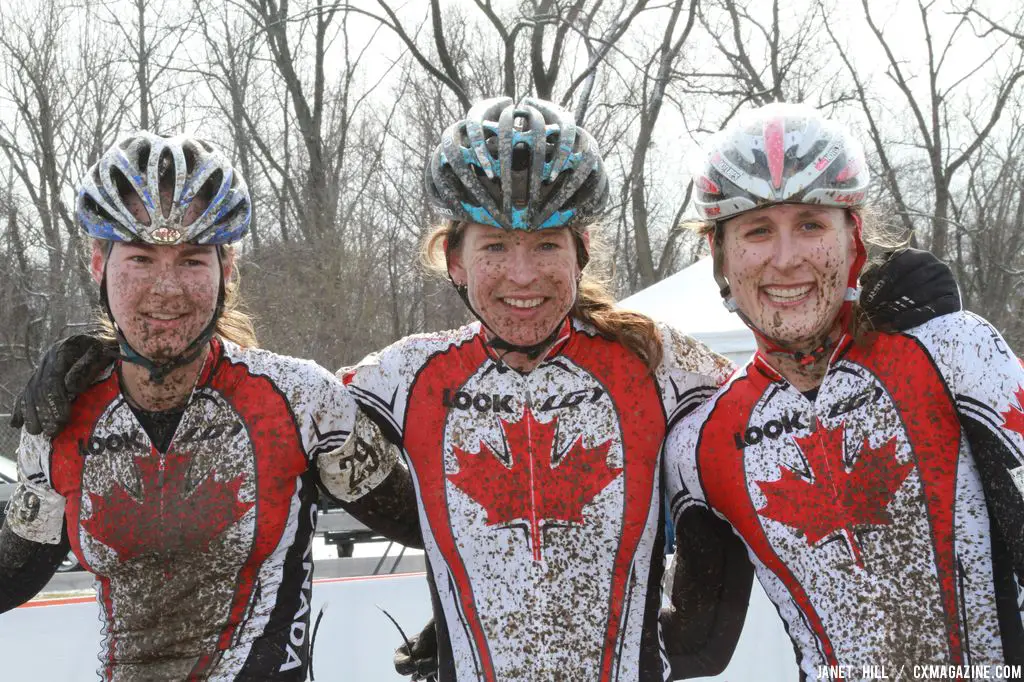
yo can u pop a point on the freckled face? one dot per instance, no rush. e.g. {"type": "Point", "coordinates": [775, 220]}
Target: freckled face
{"type": "Point", "coordinates": [522, 284]}
{"type": "Point", "coordinates": [161, 296]}
{"type": "Point", "coordinates": [787, 266]}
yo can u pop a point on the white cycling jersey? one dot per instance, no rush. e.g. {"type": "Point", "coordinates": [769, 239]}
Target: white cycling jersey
{"type": "Point", "coordinates": [539, 495]}
{"type": "Point", "coordinates": [202, 552]}
{"type": "Point", "coordinates": [884, 515]}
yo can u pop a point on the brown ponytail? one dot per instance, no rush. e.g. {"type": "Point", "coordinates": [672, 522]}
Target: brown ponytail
{"type": "Point", "coordinates": [637, 332]}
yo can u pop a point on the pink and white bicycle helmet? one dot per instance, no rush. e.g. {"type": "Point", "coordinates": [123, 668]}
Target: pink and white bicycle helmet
{"type": "Point", "coordinates": [780, 154]}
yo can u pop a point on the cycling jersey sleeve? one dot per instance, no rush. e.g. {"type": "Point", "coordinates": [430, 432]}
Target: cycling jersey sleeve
{"type": "Point", "coordinates": [380, 384]}
{"type": "Point", "coordinates": [36, 511]}
{"type": "Point", "coordinates": [689, 373]}
{"type": "Point", "coordinates": [326, 414]}
{"type": "Point", "coordinates": [713, 574]}
{"type": "Point", "coordinates": [369, 483]}
{"type": "Point", "coordinates": [372, 460]}
{"type": "Point", "coordinates": [987, 381]}
{"type": "Point", "coordinates": [33, 540]}
{"type": "Point", "coordinates": [682, 480]}
{"type": "Point", "coordinates": [355, 464]}
{"type": "Point", "coordinates": [367, 478]}
{"type": "Point", "coordinates": [710, 593]}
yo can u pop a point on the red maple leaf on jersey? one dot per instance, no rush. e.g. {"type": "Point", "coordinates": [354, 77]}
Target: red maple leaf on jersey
{"type": "Point", "coordinates": [837, 498]}
{"type": "Point", "coordinates": [1013, 418]}
{"type": "Point", "coordinates": [532, 488]}
{"type": "Point", "coordinates": [169, 516]}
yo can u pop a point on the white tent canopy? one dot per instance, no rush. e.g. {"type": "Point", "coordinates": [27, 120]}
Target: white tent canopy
{"type": "Point", "coordinates": [690, 302]}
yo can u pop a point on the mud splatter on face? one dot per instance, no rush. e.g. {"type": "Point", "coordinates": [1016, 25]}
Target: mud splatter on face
{"type": "Point", "coordinates": [787, 266]}
{"type": "Point", "coordinates": [522, 284]}
{"type": "Point", "coordinates": [162, 296]}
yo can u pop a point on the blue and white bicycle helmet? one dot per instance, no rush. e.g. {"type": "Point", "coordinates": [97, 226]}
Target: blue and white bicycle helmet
{"type": "Point", "coordinates": [167, 175]}
{"type": "Point", "coordinates": [183, 191]}
{"type": "Point", "coordinates": [524, 166]}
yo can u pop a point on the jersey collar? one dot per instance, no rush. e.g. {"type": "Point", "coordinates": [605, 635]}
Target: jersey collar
{"type": "Point", "coordinates": [566, 332]}
{"type": "Point", "coordinates": [760, 362]}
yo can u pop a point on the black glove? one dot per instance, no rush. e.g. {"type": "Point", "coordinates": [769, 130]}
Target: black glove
{"type": "Point", "coordinates": [68, 368]}
{"type": "Point", "coordinates": [908, 289]}
{"type": "Point", "coordinates": [419, 657]}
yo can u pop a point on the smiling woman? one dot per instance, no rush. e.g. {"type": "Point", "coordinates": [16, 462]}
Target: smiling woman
{"type": "Point", "coordinates": [874, 476]}
{"type": "Point", "coordinates": [190, 262]}
{"type": "Point", "coordinates": [522, 284]}
{"type": "Point", "coordinates": [187, 477]}
{"type": "Point", "coordinates": [786, 268]}
{"type": "Point", "coordinates": [164, 303]}
{"type": "Point", "coordinates": [540, 485]}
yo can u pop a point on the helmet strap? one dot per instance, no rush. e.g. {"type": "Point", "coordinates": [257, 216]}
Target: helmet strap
{"type": "Point", "coordinates": [159, 371]}
{"type": "Point", "coordinates": [772, 345]}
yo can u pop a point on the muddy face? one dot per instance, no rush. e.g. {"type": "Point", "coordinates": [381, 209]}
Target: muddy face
{"type": "Point", "coordinates": [160, 296]}
{"type": "Point", "coordinates": [522, 284]}
{"type": "Point", "coordinates": [788, 267]}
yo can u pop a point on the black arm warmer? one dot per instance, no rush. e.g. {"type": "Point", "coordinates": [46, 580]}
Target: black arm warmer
{"type": "Point", "coordinates": [710, 594]}
{"type": "Point", "coordinates": [995, 463]}
{"type": "Point", "coordinates": [26, 566]}
{"type": "Point", "coordinates": [1006, 514]}
{"type": "Point", "coordinates": [390, 510]}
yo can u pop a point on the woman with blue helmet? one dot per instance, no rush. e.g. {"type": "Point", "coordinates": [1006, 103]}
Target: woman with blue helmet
{"type": "Point", "coordinates": [187, 475]}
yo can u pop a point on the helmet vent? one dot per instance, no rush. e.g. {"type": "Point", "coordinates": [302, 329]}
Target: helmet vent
{"type": "Point", "coordinates": [228, 217]}
{"type": "Point", "coordinates": [128, 195]}
{"type": "Point", "coordinates": [586, 188]}
{"type": "Point", "coordinates": [550, 147]}
{"type": "Point", "coordinates": [461, 192]}
{"type": "Point", "coordinates": [204, 196]}
{"type": "Point", "coordinates": [143, 161]}
{"type": "Point", "coordinates": [91, 206]}
{"type": "Point", "coordinates": [521, 157]}
{"type": "Point", "coordinates": [190, 158]}
{"type": "Point", "coordinates": [165, 171]}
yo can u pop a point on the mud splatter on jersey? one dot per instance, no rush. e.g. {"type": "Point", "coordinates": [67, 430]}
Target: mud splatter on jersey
{"type": "Point", "coordinates": [201, 553]}
{"type": "Point", "coordinates": [866, 512]}
{"type": "Point", "coordinates": [539, 495]}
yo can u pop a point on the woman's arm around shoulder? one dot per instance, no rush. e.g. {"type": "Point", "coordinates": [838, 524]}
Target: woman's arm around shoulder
{"type": "Point", "coordinates": [355, 464]}
{"type": "Point", "coordinates": [368, 479]}
{"type": "Point", "coordinates": [711, 582]}
{"type": "Point", "coordinates": [712, 574]}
